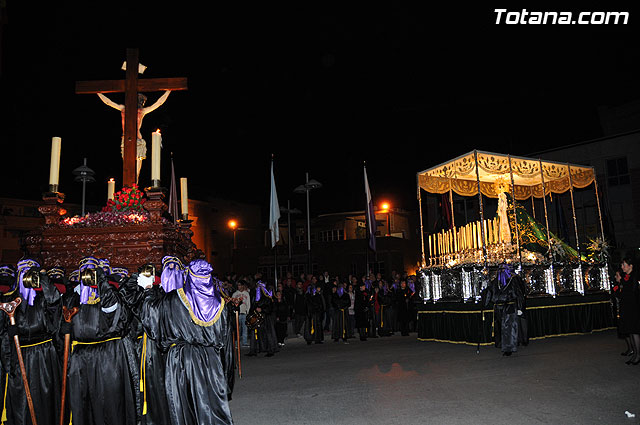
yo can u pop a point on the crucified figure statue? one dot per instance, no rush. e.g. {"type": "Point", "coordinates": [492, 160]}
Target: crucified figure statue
{"type": "Point", "coordinates": [141, 145]}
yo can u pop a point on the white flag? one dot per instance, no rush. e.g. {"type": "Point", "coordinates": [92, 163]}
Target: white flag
{"type": "Point", "coordinates": [274, 212]}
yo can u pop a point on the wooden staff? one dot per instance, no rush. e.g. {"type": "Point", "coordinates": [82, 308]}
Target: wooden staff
{"type": "Point", "coordinates": [10, 308]}
{"type": "Point", "coordinates": [68, 314]}
{"type": "Point", "coordinates": [238, 341]}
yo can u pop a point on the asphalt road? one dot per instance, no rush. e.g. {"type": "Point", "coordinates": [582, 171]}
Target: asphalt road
{"type": "Point", "coordinates": [400, 380]}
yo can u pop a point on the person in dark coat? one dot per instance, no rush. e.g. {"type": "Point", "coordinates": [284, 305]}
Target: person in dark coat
{"type": "Point", "coordinates": [263, 339]}
{"type": "Point", "coordinates": [362, 311]}
{"type": "Point", "coordinates": [340, 302]}
{"type": "Point", "coordinates": [385, 301]}
{"type": "Point", "coordinates": [102, 357]}
{"type": "Point", "coordinates": [630, 307]}
{"type": "Point", "coordinates": [37, 321]}
{"type": "Point", "coordinates": [402, 298]}
{"type": "Point", "coordinates": [299, 309]}
{"type": "Point", "coordinates": [313, 329]}
{"type": "Point", "coordinates": [193, 326]}
{"type": "Point", "coordinates": [281, 312]}
{"type": "Point", "coordinates": [507, 293]}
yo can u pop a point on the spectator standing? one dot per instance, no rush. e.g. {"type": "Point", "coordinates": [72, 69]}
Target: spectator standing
{"type": "Point", "coordinates": [244, 307]}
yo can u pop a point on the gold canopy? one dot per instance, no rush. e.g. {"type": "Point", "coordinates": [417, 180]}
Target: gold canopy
{"type": "Point", "coordinates": [459, 175]}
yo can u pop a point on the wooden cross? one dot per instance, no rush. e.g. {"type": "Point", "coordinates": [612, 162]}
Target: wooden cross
{"type": "Point", "coordinates": [130, 86]}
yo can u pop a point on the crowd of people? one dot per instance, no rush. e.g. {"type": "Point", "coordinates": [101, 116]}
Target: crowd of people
{"type": "Point", "coordinates": [146, 341]}
{"type": "Point", "coordinates": [311, 306]}
{"type": "Point", "coordinates": [146, 348]}
{"type": "Point", "coordinates": [149, 340]}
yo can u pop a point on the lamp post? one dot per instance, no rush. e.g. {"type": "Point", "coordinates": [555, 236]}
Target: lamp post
{"type": "Point", "coordinates": [305, 188]}
{"type": "Point", "coordinates": [233, 225]}
{"type": "Point", "coordinates": [85, 175]}
{"type": "Point", "coordinates": [386, 208]}
{"type": "Point", "coordinates": [289, 211]}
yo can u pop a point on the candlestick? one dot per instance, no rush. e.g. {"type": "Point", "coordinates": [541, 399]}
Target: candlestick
{"type": "Point", "coordinates": [184, 197]}
{"type": "Point", "coordinates": [54, 169]}
{"type": "Point", "coordinates": [111, 187]}
{"type": "Point", "coordinates": [156, 148]}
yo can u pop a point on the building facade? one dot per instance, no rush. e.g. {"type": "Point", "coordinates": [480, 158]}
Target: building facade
{"type": "Point", "coordinates": [616, 160]}
{"type": "Point", "coordinates": [339, 245]}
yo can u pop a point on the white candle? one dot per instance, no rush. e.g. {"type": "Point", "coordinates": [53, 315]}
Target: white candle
{"type": "Point", "coordinates": [184, 196]}
{"type": "Point", "coordinates": [111, 188]}
{"type": "Point", "coordinates": [156, 143]}
{"type": "Point", "coordinates": [54, 169]}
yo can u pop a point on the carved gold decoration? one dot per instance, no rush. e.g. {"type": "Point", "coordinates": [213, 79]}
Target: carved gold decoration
{"type": "Point", "coordinates": [459, 175]}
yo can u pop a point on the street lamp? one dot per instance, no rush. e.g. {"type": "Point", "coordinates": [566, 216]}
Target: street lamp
{"type": "Point", "coordinates": [305, 188]}
{"type": "Point", "coordinates": [386, 208]}
{"type": "Point", "coordinates": [85, 175]}
{"type": "Point", "coordinates": [233, 225]}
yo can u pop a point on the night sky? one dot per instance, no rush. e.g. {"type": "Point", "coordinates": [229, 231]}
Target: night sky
{"type": "Point", "coordinates": [323, 89]}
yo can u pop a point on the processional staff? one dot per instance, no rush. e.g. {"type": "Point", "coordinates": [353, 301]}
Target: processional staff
{"type": "Point", "coordinates": [67, 314]}
{"type": "Point", "coordinates": [10, 308]}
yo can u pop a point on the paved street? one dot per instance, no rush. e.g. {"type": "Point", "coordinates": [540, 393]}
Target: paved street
{"type": "Point", "coordinates": [400, 380]}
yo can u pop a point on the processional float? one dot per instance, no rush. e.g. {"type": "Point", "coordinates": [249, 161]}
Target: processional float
{"type": "Point", "coordinates": [457, 262]}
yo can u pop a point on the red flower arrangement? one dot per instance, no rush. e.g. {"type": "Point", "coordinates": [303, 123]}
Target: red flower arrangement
{"type": "Point", "coordinates": [128, 199]}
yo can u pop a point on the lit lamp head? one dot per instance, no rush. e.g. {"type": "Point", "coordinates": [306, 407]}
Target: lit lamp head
{"type": "Point", "coordinates": [89, 277]}
{"type": "Point", "coordinates": [88, 273]}
{"type": "Point", "coordinates": [148, 270]}
{"type": "Point", "coordinates": [385, 207]}
{"type": "Point", "coordinates": [31, 278]}
{"type": "Point", "coordinates": [233, 224]}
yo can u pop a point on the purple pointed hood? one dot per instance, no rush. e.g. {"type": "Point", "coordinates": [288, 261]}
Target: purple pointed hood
{"type": "Point", "coordinates": [260, 288]}
{"type": "Point", "coordinates": [28, 294]}
{"type": "Point", "coordinates": [172, 273]}
{"type": "Point", "coordinates": [504, 274]}
{"type": "Point", "coordinates": [87, 292]}
{"type": "Point", "coordinates": [201, 291]}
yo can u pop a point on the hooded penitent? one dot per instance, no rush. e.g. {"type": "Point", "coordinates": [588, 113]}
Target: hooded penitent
{"type": "Point", "coordinates": [172, 273]}
{"type": "Point", "coordinates": [28, 294]}
{"type": "Point", "coordinates": [88, 293]}
{"type": "Point", "coordinates": [7, 278]}
{"type": "Point", "coordinates": [56, 276]}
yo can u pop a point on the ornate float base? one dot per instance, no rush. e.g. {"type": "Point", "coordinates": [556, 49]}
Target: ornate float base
{"type": "Point", "coordinates": [145, 239]}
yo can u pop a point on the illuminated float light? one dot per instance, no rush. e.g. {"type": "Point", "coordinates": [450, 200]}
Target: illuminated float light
{"type": "Point", "coordinates": [578, 281]}
{"type": "Point", "coordinates": [437, 288]}
{"type": "Point", "coordinates": [426, 286]}
{"type": "Point", "coordinates": [466, 285]}
{"type": "Point", "coordinates": [604, 278]}
{"type": "Point", "coordinates": [549, 283]}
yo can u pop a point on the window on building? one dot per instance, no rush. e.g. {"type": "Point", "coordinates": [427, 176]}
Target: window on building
{"type": "Point", "coordinates": [332, 235]}
{"type": "Point", "coordinates": [617, 171]}
{"type": "Point", "coordinates": [379, 268]}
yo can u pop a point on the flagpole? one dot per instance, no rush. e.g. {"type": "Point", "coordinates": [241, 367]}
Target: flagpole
{"type": "Point", "coordinates": [274, 216]}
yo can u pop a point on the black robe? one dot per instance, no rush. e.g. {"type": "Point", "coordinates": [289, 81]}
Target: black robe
{"type": "Point", "coordinates": [629, 304]}
{"type": "Point", "coordinates": [149, 357]}
{"type": "Point", "coordinates": [383, 321]}
{"type": "Point", "coordinates": [37, 327]}
{"type": "Point", "coordinates": [362, 312]}
{"type": "Point", "coordinates": [510, 329]}
{"type": "Point", "coordinates": [281, 312]}
{"type": "Point", "coordinates": [263, 339]}
{"type": "Point", "coordinates": [313, 329]}
{"type": "Point", "coordinates": [199, 368]}
{"type": "Point", "coordinates": [103, 373]}
{"type": "Point", "coordinates": [402, 298]}
{"type": "Point", "coordinates": [340, 326]}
